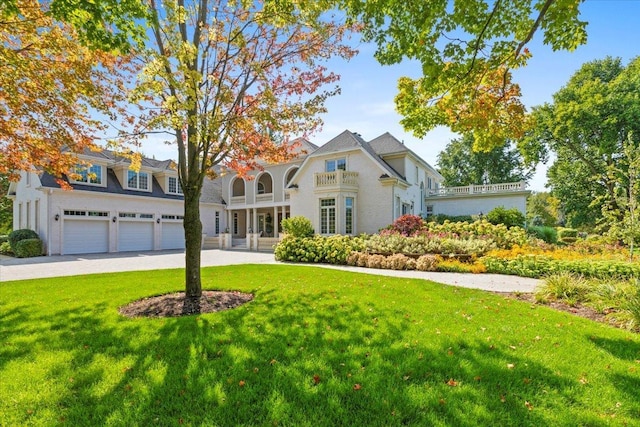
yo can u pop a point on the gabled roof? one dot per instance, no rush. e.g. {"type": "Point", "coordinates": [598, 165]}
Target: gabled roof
{"type": "Point", "coordinates": [387, 144]}
{"type": "Point", "coordinates": [347, 141]}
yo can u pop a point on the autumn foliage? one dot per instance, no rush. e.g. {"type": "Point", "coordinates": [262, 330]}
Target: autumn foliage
{"type": "Point", "coordinates": [50, 89]}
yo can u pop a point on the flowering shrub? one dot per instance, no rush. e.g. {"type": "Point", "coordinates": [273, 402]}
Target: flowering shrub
{"type": "Point", "coordinates": [428, 244]}
{"type": "Point", "coordinates": [298, 226]}
{"type": "Point", "coordinates": [427, 262]}
{"type": "Point", "coordinates": [457, 266]}
{"type": "Point", "coordinates": [406, 225]}
{"type": "Point", "coordinates": [332, 249]}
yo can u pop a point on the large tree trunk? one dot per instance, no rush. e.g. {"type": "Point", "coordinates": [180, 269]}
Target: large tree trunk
{"type": "Point", "coordinates": [193, 243]}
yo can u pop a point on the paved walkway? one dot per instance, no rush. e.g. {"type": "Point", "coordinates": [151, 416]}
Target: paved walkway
{"type": "Point", "coordinates": [70, 265]}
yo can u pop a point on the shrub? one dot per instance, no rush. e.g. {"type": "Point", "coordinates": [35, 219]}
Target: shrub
{"type": "Point", "coordinates": [509, 217]}
{"type": "Point", "coordinates": [397, 262]}
{"type": "Point", "coordinates": [427, 262]}
{"type": "Point", "coordinates": [633, 307]}
{"type": "Point", "coordinates": [22, 234]}
{"type": "Point", "coordinates": [441, 218]}
{"type": "Point", "coordinates": [406, 225]}
{"type": "Point", "coordinates": [376, 261]}
{"type": "Point", "coordinates": [4, 238]}
{"type": "Point", "coordinates": [332, 250]}
{"type": "Point", "coordinates": [298, 226]}
{"type": "Point", "coordinates": [548, 234]}
{"type": "Point", "coordinates": [5, 249]}
{"type": "Point", "coordinates": [27, 248]}
{"type": "Point", "coordinates": [456, 266]}
{"type": "Point", "coordinates": [567, 235]}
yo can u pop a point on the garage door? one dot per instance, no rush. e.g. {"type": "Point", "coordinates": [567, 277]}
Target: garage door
{"type": "Point", "coordinates": [135, 236]}
{"type": "Point", "coordinates": [172, 235]}
{"type": "Point", "coordinates": [85, 236]}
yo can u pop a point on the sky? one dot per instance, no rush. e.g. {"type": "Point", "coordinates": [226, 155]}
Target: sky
{"type": "Point", "coordinates": [366, 105]}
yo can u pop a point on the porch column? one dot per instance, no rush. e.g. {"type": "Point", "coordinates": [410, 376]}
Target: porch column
{"type": "Point", "coordinates": [229, 225]}
{"type": "Point", "coordinates": [248, 221]}
{"type": "Point", "coordinates": [284, 215]}
{"type": "Point", "coordinates": [255, 220]}
{"type": "Point", "coordinates": [275, 221]}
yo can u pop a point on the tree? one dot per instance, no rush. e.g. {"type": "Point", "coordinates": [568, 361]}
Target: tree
{"type": "Point", "coordinates": [107, 25]}
{"type": "Point", "coordinates": [586, 128]}
{"type": "Point", "coordinates": [467, 49]}
{"type": "Point", "coordinates": [542, 209]}
{"type": "Point", "coordinates": [51, 87]}
{"type": "Point", "coordinates": [624, 224]}
{"type": "Point", "coordinates": [460, 165]}
{"type": "Point", "coordinates": [230, 82]}
{"type": "Point", "coordinates": [6, 206]}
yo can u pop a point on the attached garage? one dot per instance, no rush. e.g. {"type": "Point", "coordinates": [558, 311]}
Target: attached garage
{"type": "Point", "coordinates": [136, 235]}
{"type": "Point", "coordinates": [83, 236]}
{"type": "Point", "coordinates": [172, 235]}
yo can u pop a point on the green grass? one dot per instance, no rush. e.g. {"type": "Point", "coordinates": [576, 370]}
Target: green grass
{"type": "Point", "coordinates": [383, 351]}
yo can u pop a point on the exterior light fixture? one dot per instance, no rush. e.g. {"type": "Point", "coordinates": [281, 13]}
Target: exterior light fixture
{"type": "Point", "coordinates": [158, 220]}
{"type": "Point", "coordinates": [57, 217]}
{"type": "Point", "coordinates": [114, 219]}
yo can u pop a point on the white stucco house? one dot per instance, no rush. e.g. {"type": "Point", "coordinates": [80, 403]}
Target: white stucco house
{"type": "Point", "coordinates": [346, 186]}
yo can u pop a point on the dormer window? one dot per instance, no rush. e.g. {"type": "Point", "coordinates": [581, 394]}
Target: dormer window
{"type": "Point", "coordinates": [137, 180]}
{"type": "Point", "coordinates": [335, 164]}
{"type": "Point", "coordinates": [174, 185]}
{"type": "Point", "coordinates": [88, 175]}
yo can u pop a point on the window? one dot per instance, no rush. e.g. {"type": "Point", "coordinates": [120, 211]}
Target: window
{"type": "Point", "coordinates": [28, 212]}
{"type": "Point", "coordinates": [416, 180]}
{"type": "Point", "coordinates": [174, 185]}
{"type": "Point", "coordinates": [20, 215]}
{"type": "Point", "coordinates": [406, 208]}
{"type": "Point", "coordinates": [348, 215]}
{"type": "Point", "coordinates": [217, 222]}
{"type": "Point", "coordinates": [89, 175]}
{"type": "Point", "coordinates": [335, 164]}
{"type": "Point", "coordinates": [235, 223]}
{"type": "Point", "coordinates": [37, 216]}
{"type": "Point", "coordinates": [327, 216]}
{"type": "Point", "coordinates": [429, 183]}
{"type": "Point", "coordinates": [75, 213]}
{"type": "Point", "coordinates": [178, 217]}
{"type": "Point", "coordinates": [137, 180]}
{"type": "Point", "coordinates": [260, 188]}
{"type": "Point", "coordinates": [97, 213]}
{"type": "Point", "coordinates": [429, 211]}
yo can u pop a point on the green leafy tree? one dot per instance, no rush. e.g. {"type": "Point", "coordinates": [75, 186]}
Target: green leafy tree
{"type": "Point", "coordinates": [460, 165]}
{"type": "Point", "coordinates": [624, 224]}
{"type": "Point", "coordinates": [223, 78]}
{"type": "Point", "coordinates": [586, 128]}
{"type": "Point", "coordinates": [467, 49]}
{"type": "Point", "coordinates": [6, 206]}
{"type": "Point", "coordinates": [542, 209]}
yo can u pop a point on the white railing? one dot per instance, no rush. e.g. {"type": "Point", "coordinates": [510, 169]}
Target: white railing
{"type": "Point", "coordinates": [507, 187]}
{"type": "Point", "coordinates": [337, 178]}
{"type": "Point", "coordinates": [238, 200]}
{"type": "Point", "coordinates": [267, 197]}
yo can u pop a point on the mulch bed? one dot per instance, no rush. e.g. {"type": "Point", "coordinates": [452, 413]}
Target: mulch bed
{"type": "Point", "coordinates": [578, 310]}
{"type": "Point", "coordinates": [175, 305]}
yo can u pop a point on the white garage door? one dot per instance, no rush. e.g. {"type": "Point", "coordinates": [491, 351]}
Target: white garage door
{"type": "Point", "coordinates": [172, 235]}
{"type": "Point", "coordinates": [85, 236]}
{"type": "Point", "coordinates": [135, 236]}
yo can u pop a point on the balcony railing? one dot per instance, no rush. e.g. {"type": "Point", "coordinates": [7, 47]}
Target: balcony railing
{"type": "Point", "coordinates": [508, 187]}
{"type": "Point", "coordinates": [338, 179]}
{"type": "Point", "coordinates": [266, 197]}
{"type": "Point", "coordinates": [238, 200]}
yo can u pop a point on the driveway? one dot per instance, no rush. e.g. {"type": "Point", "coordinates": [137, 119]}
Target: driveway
{"type": "Point", "coordinates": [71, 265]}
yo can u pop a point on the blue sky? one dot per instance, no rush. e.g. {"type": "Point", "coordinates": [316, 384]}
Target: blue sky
{"type": "Point", "coordinates": [368, 89]}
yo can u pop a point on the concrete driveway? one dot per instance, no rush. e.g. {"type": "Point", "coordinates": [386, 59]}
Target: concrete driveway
{"type": "Point", "coordinates": [71, 265]}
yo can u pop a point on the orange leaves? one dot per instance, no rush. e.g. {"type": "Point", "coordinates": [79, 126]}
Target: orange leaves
{"type": "Point", "coordinates": [49, 87]}
{"type": "Point", "coordinates": [452, 383]}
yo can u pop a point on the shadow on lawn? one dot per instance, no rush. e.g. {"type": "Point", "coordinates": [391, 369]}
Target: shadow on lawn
{"type": "Point", "coordinates": [316, 360]}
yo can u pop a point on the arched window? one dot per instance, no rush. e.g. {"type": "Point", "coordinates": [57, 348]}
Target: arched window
{"type": "Point", "coordinates": [237, 187]}
{"type": "Point", "coordinates": [289, 176]}
{"type": "Point", "coordinates": [264, 184]}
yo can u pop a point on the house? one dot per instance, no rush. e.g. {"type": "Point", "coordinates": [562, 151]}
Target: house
{"type": "Point", "coordinates": [111, 208]}
{"type": "Point", "coordinates": [346, 186]}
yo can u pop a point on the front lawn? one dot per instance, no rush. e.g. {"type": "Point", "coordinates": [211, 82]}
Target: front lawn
{"type": "Point", "coordinates": [315, 347]}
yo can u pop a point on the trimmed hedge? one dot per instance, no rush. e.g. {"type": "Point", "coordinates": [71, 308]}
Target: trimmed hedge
{"type": "Point", "coordinates": [28, 248]}
{"type": "Point", "coordinates": [21, 234]}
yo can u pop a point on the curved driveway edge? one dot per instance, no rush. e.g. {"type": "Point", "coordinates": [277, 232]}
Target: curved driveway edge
{"type": "Point", "coordinates": [71, 265]}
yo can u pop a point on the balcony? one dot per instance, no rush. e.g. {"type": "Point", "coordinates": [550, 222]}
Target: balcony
{"type": "Point", "coordinates": [337, 180]}
{"type": "Point", "coordinates": [238, 200]}
{"type": "Point", "coordinates": [508, 187]}
{"type": "Point", "coordinates": [264, 198]}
